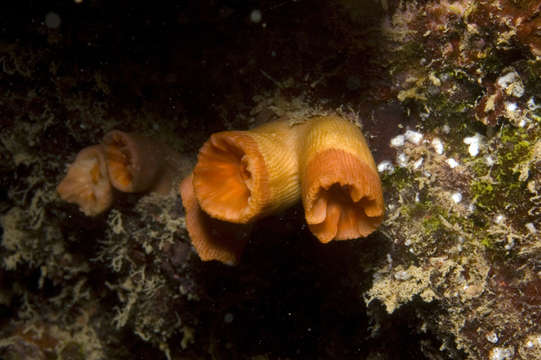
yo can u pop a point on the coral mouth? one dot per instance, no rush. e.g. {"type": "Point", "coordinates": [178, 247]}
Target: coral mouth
{"type": "Point", "coordinates": [341, 196]}
{"type": "Point", "coordinates": [230, 176]}
{"type": "Point", "coordinates": [337, 216]}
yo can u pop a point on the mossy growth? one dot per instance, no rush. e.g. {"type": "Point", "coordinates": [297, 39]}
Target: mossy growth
{"type": "Point", "coordinates": [432, 223]}
{"type": "Point", "coordinates": [502, 183]}
{"type": "Point", "coordinates": [493, 63]}
{"type": "Point", "coordinates": [399, 179]}
{"type": "Point", "coordinates": [451, 107]}
{"type": "Point", "coordinates": [405, 56]}
{"type": "Point", "coordinates": [532, 75]}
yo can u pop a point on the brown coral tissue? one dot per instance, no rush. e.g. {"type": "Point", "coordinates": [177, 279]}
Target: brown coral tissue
{"type": "Point", "coordinates": [138, 163]}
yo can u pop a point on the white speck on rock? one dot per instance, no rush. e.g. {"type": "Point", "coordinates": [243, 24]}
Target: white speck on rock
{"type": "Point", "coordinates": [474, 143]}
{"type": "Point", "coordinates": [498, 219]}
{"type": "Point", "coordinates": [452, 163]}
{"type": "Point", "coordinates": [533, 340]}
{"type": "Point", "coordinates": [398, 141]}
{"type": "Point", "coordinates": [446, 129]}
{"type": "Point", "coordinates": [532, 105]}
{"type": "Point", "coordinates": [385, 167]}
{"type": "Point", "coordinates": [402, 275]}
{"type": "Point", "coordinates": [489, 160]}
{"type": "Point", "coordinates": [437, 145]}
{"type": "Point", "coordinates": [511, 107]}
{"type": "Point", "coordinates": [402, 160]}
{"type": "Point", "coordinates": [499, 353]}
{"type": "Point", "coordinates": [456, 197]}
{"type": "Point", "coordinates": [492, 337]}
{"type": "Point", "coordinates": [413, 137]}
{"type": "Point", "coordinates": [531, 228]}
{"type": "Point", "coordinates": [511, 84]}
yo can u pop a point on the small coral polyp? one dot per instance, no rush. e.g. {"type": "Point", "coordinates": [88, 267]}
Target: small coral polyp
{"type": "Point", "coordinates": [87, 182]}
{"type": "Point", "coordinates": [242, 176]}
{"type": "Point", "coordinates": [134, 161]}
{"type": "Point", "coordinates": [125, 161]}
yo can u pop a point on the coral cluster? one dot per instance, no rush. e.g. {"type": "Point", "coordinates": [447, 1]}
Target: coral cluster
{"type": "Point", "coordinates": [127, 162]}
{"type": "Point", "coordinates": [241, 176]}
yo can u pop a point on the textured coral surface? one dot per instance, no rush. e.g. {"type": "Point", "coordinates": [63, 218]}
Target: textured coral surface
{"type": "Point", "coordinates": [447, 93]}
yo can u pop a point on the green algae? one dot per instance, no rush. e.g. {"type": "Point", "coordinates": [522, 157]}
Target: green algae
{"type": "Point", "coordinates": [501, 182]}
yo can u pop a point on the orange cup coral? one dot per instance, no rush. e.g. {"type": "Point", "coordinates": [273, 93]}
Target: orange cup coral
{"type": "Point", "coordinates": [137, 163]}
{"type": "Point", "coordinates": [242, 176]}
{"type": "Point", "coordinates": [212, 239]}
{"type": "Point", "coordinates": [87, 182]}
{"type": "Point", "coordinates": [341, 189]}
{"type": "Point", "coordinates": [127, 162]}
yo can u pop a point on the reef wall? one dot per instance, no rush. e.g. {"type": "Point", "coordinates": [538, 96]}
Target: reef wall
{"type": "Point", "coordinates": [447, 94]}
